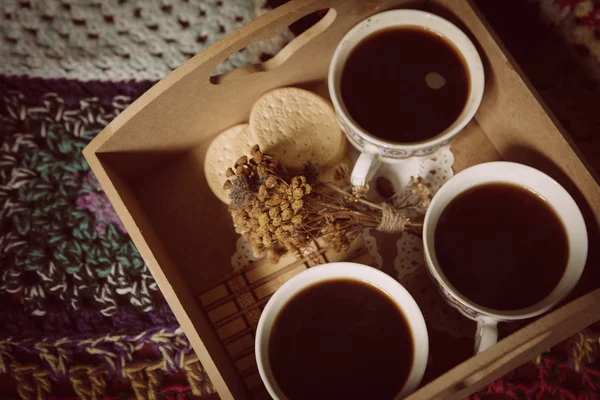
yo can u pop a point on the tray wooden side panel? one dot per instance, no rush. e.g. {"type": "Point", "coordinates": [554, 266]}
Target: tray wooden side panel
{"type": "Point", "coordinates": [513, 351]}
{"type": "Point", "coordinates": [172, 284]}
{"type": "Point", "coordinates": [517, 121]}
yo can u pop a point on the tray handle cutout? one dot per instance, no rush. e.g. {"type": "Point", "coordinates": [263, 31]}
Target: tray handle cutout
{"type": "Point", "coordinates": [326, 20]}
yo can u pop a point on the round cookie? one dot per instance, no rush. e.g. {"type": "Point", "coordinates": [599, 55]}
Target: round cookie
{"type": "Point", "coordinates": [223, 153]}
{"type": "Point", "coordinates": [296, 126]}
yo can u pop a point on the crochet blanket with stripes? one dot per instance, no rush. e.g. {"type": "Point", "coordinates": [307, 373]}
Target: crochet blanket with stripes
{"type": "Point", "coordinates": [81, 316]}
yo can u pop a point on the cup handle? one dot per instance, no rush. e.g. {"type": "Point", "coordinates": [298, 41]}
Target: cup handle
{"type": "Point", "coordinates": [486, 335]}
{"type": "Point", "coordinates": [364, 169]}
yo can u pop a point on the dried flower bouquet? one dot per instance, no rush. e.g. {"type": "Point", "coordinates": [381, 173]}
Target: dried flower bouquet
{"type": "Point", "coordinates": [276, 210]}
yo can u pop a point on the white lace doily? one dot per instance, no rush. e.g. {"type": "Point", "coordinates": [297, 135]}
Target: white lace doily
{"type": "Point", "coordinates": [244, 255]}
{"type": "Point", "coordinates": [120, 40]}
{"type": "Point", "coordinates": [371, 244]}
{"type": "Point", "coordinates": [409, 262]}
{"type": "Point", "coordinates": [412, 274]}
{"type": "Point", "coordinates": [435, 169]}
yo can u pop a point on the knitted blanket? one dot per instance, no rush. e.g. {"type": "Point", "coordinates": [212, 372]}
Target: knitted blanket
{"type": "Point", "coordinates": [81, 315]}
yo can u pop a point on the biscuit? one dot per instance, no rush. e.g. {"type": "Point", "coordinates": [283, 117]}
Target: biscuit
{"type": "Point", "coordinates": [296, 126]}
{"type": "Point", "coordinates": [223, 153]}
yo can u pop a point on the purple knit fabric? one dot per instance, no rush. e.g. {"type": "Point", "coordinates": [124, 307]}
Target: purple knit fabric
{"type": "Point", "coordinates": [70, 278]}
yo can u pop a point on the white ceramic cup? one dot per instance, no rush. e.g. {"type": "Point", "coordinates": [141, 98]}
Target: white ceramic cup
{"type": "Point", "coordinates": [554, 194]}
{"type": "Point", "coordinates": [343, 270]}
{"type": "Point", "coordinates": [373, 149]}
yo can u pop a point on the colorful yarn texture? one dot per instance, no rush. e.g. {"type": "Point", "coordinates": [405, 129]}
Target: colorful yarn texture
{"type": "Point", "coordinates": [81, 316]}
{"type": "Point", "coordinates": [80, 308]}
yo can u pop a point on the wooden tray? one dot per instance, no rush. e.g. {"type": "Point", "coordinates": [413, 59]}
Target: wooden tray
{"type": "Point", "coordinates": [149, 160]}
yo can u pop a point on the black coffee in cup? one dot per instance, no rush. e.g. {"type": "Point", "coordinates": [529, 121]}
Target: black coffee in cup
{"type": "Point", "coordinates": [501, 246]}
{"type": "Point", "coordinates": [341, 339]}
{"type": "Point", "coordinates": [405, 84]}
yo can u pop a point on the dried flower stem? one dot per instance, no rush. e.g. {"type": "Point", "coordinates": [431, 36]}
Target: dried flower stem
{"type": "Point", "coordinates": [366, 202]}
